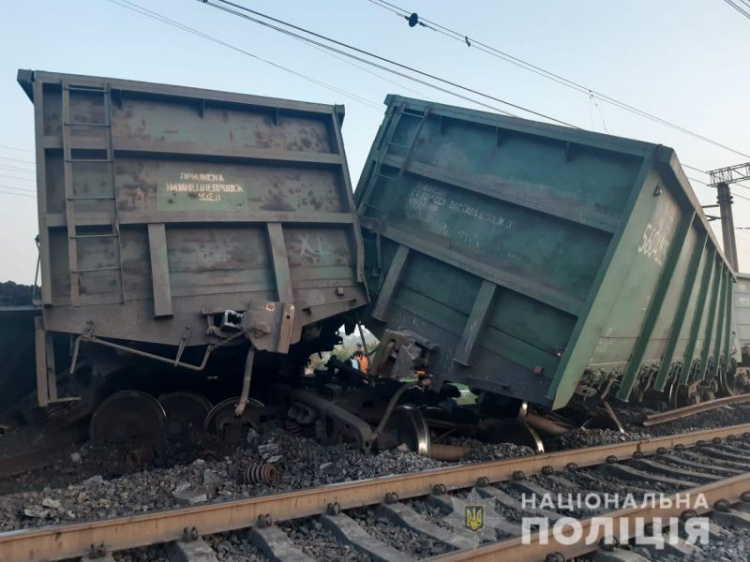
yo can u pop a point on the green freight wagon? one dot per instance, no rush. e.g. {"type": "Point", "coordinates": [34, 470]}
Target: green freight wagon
{"type": "Point", "coordinates": [175, 222]}
{"type": "Point", "coordinates": [541, 262]}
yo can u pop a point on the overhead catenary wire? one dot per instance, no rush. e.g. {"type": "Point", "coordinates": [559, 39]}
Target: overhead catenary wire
{"type": "Point", "coordinates": [16, 169]}
{"type": "Point", "coordinates": [5, 146]}
{"type": "Point", "coordinates": [223, 6]}
{"type": "Point", "coordinates": [363, 60]}
{"type": "Point", "coordinates": [16, 160]}
{"type": "Point", "coordinates": [17, 188]}
{"type": "Point", "coordinates": [19, 178]}
{"type": "Point", "coordinates": [378, 57]}
{"type": "Point", "coordinates": [174, 23]}
{"type": "Point", "coordinates": [493, 51]}
{"type": "Point", "coordinates": [19, 194]}
{"type": "Point", "coordinates": [744, 11]}
{"type": "Point", "coordinates": [164, 19]}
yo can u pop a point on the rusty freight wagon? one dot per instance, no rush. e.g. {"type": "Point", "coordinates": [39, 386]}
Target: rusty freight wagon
{"type": "Point", "coordinates": [541, 262]}
{"type": "Point", "coordinates": [177, 223]}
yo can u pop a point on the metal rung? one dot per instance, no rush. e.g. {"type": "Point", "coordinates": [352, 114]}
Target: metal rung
{"type": "Point", "coordinates": [87, 124]}
{"type": "Point", "coordinates": [85, 89]}
{"type": "Point", "coordinates": [387, 177]}
{"type": "Point", "coordinates": [411, 113]}
{"type": "Point", "coordinates": [96, 269]}
{"type": "Point", "coordinates": [405, 147]}
{"type": "Point", "coordinates": [99, 160]}
{"type": "Point", "coordinates": [64, 400]}
{"type": "Point", "coordinates": [79, 236]}
{"type": "Point", "coordinates": [108, 198]}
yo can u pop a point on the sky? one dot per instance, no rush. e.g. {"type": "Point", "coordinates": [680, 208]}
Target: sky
{"type": "Point", "coordinates": [682, 60]}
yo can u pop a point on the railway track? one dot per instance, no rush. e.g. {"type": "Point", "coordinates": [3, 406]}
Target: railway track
{"type": "Point", "coordinates": [709, 462]}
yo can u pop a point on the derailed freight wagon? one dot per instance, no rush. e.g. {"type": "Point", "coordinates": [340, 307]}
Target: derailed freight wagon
{"type": "Point", "coordinates": [541, 262]}
{"type": "Point", "coordinates": [177, 223]}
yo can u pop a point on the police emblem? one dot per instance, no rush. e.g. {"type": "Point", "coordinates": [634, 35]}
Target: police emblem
{"type": "Point", "coordinates": [474, 518]}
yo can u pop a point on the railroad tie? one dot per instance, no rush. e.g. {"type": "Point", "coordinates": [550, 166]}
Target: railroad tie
{"type": "Point", "coordinates": [191, 551]}
{"type": "Point", "coordinates": [510, 502]}
{"type": "Point", "coordinates": [349, 531]}
{"type": "Point", "coordinates": [705, 458]}
{"type": "Point", "coordinates": [661, 468]}
{"type": "Point", "coordinates": [723, 470]}
{"type": "Point", "coordinates": [722, 454]}
{"type": "Point", "coordinates": [275, 544]}
{"type": "Point", "coordinates": [732, 518]}
{"type": "Point", "coordinates": [735, 447]}
{"type": "Point", "coordinates": [593, 485]}
{"type": "Point", "coordinates": [628, 473]}
{"type": "Point", "coordinates": [402, 514]}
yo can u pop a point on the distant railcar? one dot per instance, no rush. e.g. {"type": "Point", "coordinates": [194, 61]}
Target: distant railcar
{"type": "Point", "coordinates": [541, 262]}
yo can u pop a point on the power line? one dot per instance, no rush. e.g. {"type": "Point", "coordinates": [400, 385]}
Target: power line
{"type": "Point", "coordinates": [9, 189]}
{"type": "Point", "coordinates": [16, 169]}
{"type": "Point", "coordinates": [18, 188]}
{"type": "Point", "coordinates": [471, 42]}
{"type": "Point", "coordinates": [15, 148]}
{"type": "Point", "coordinates": [164, 19]}
{"type": "Point", "coordinates": [17, 160]}
{"type": "Point", "coordinates": [369, 54]}
{"type": "Point", "coordinates": [314, 43]}
{"type": "Point", "coordinates": [738, 8]}
{"type": "Point", "coordinates": [17, 178]}
{"type": "Point", "coordinates": [169, 21]}
{"type": "Point", "coordinates": [694, 169]}
{"type": "Point", "coordinates": [19, 194]}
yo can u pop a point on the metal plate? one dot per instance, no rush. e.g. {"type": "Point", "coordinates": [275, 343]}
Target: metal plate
{"type": "Point", "coordinates": [125, 416]}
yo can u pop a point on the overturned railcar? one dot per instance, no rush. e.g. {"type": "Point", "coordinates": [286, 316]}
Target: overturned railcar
{"type": "Point", "coordinates": [541, 262]}
{"type": "Point", "coordinates": [176, 221]}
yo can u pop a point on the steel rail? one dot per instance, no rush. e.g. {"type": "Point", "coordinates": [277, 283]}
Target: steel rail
{"type": "Point", "coordinates": [533, 548]}
{"type": "Point", "coordinates": [686, 411]}
{"type": "Point", "coordinates": [68, 541]}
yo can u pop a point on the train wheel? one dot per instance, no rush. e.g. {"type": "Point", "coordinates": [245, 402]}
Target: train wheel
{"type": "Point", "coordinates": [128, 415]}
{"type": "Point", "coordinates": [222, 421]}
{"type": "Point", "coordinates": [407, 425]}
{"type": "Point", "coordinates": [185, 412]}
{"type": "Point", "coordinates": [685, 395]}
{"type": "Point", "coordinates": [730, 384]}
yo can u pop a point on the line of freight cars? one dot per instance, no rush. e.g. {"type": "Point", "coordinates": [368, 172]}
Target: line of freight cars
{"type": "Point", "coordinates": [191, 235]}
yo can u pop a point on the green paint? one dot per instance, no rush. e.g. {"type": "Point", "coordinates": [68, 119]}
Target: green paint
{"type": "Point", "coordinates": [583, 235]}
